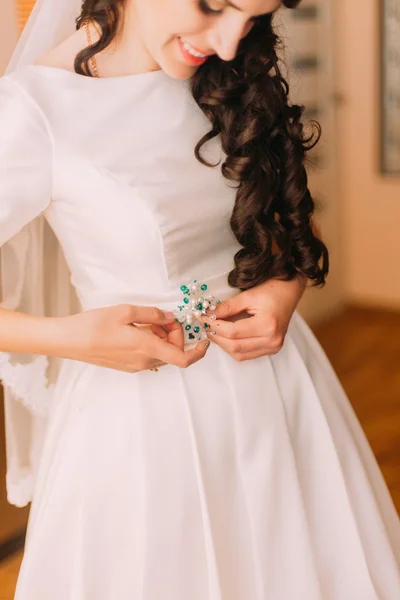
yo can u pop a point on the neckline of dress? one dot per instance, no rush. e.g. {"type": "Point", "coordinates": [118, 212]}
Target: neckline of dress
{"type": "Point", "coordinates": [78, 76]}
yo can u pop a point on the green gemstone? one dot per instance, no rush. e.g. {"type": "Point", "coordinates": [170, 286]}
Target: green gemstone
{"type": "Point", "coordinates": [186, 300]}
{"type": "Point", "coordinates": [177, 321]}
{"type": "Point", "coordinates": [181, 307]}
{"type": "Point", "coordinates": [218, 301]}
{"type": "Point", "coordinates": [183, 288]}
{"type": "Point", "coordinates": [195, 281]}
{"type": "Point", "coordinates": [206, 325]}
{"type": "Point", "coordinates": [196, 329]}
{"type": "Point", "coordinates": [199, 306]}
{"type": "Point", "coordinates": [204, 287]}
{"type": "Point", "coordinates": [188, 327]}
{"type": "Point", "coordinates": [191, 336]}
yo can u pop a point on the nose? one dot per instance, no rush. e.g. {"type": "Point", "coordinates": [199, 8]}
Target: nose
{"type": "Point", "coordinates": [226, 35]}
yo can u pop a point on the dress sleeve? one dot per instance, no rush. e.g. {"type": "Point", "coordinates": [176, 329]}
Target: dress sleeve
{"type": "Point", "coordinates": [26, 152]}
{"type": "Point", "coordinates": [26, 166]}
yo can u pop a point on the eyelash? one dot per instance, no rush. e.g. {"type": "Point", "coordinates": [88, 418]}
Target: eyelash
{"type": "Point", "coordinates": [207, 10]}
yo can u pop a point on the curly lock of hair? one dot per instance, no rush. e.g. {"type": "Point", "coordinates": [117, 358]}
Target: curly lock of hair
{"type": "Point", "coordinates": [265, 144]}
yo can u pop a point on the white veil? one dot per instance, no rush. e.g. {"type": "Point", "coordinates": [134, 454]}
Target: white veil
{"type": "Point", "coordinates": [34, 279]}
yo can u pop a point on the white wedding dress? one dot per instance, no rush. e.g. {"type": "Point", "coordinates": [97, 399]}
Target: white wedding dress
{"type": "Point", "coordinates": [223, 481]}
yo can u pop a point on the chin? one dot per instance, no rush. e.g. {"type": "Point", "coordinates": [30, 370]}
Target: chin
{"type": "Point", "coordinates": [179, 71]}
{"type": "Point", "coordinates": [173, 65]}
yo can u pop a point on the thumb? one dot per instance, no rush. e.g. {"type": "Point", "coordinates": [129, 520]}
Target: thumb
{"type": "Point", "coordinates": [230, 307]}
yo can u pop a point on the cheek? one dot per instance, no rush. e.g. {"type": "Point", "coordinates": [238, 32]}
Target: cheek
{"type": "Point", "coordinates": [248, 28]}
{"type": "Point", "coordinates": [153, 17]}
{"type": "Point", "coordinates": [171, 18]}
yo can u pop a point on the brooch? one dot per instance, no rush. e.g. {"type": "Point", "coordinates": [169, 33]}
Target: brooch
{"type": "Point", "coordinates": [197, 301]}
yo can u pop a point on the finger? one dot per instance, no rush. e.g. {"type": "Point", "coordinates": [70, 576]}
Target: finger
{"type": "Point", "coordinates": [149, 314]}
{"type": "Point", "coordinates": [175, 334]}
{"type": "Point", "coordinates": [169, 353]}
{"type": "Point", "coordinates": [231, 306]}
{"type": "Point", "coordinates": [163, 330]}
{"type": "Point", "coordinates": [242, 346]}
{"type": "Point", "coordinates": [171, 332]}
{"type": "Point", "coordinates": [160, 331]}
{"type": "Point", "coordinates": [245, 328]}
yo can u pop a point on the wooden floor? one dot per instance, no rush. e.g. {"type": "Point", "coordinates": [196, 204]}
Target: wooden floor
{"type": "Point", "coordinates": [8, 577]}
{"type": "Point", "coordinates": [363, 346]}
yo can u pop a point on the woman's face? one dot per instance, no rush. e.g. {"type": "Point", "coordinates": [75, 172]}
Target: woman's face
{"type": "Point", "coordinates": [172, 32]}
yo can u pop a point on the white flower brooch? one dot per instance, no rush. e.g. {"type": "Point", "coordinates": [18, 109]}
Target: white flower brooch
{"type": "Point", "coordinates": [196, 303]}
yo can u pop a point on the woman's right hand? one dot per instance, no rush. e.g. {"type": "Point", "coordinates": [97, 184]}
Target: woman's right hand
{"type": "Point", "coordinates": [125, 337]}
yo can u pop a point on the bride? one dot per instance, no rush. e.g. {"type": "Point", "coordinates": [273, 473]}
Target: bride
{"type": "Point", "coordinates": [171, 417]}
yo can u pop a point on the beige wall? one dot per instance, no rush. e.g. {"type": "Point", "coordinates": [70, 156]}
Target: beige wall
{"type": "Point", "coordinates": [369, 202]}
{"type": "Point", "coordinates": [8, 31]}
{"type": "Point", "coordinates": [303, 38]}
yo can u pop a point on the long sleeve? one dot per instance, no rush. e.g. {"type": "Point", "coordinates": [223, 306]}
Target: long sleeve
{"type": "Point", "coordinates": [25, 159]}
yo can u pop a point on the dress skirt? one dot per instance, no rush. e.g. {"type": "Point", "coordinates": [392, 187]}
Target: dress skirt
{"type": "Point", "coordinates": [224, 481]}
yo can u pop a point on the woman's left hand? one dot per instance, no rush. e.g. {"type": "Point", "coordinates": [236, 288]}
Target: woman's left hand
{"type": "Point", "coordinates": [254, 322]}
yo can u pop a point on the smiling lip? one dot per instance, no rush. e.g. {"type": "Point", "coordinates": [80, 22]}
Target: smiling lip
{"type": "Point", "coordinates": [196, 49]}
{"type": "Point", "coordinates": [189, 58]}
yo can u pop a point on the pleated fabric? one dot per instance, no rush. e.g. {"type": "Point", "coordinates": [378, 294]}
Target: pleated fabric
{"type": "Point", "coordinates": [224, 481]}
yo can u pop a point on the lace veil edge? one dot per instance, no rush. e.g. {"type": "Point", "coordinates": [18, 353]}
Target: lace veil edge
{"type": "Point", "coordinates": [35, 279]}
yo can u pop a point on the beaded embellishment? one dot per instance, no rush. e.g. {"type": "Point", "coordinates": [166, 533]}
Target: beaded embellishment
{"type": "Point", "coordinates": [196, 302]}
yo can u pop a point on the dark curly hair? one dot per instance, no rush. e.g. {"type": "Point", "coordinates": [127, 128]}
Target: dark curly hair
{"type": "Point", "coordinates": [265, 143]}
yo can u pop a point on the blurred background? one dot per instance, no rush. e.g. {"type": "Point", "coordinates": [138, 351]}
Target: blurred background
{"type": "Point", "coordinates": [344, 63]}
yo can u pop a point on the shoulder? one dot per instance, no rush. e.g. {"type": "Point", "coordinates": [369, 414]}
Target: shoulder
{"type": "Point", "coordinates": [38, 92]}
{"type": "Point", "coordinates": [14, 94]}
{"type": "Point", "coordinates": [21, 116]}
{"type": "Point", "coordinates": [63, 55]}
{"type": "Point", "coordinates": [40, 85]}
{"type": "Point", "coordinates": [26, 158]}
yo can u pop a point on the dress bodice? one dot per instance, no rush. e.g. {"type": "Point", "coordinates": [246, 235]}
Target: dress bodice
{"type": "Point", "coordinates": [111, 164]}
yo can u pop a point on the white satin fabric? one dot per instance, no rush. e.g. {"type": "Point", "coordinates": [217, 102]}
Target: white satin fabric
{"type": "Point", "coordinates": [34, 279]}
{"type": "Point", "coordinates": [224, 481]}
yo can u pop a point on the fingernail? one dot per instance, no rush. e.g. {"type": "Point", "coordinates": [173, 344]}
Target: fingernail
{"type": "Point", "coordinates": [169, 315]}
